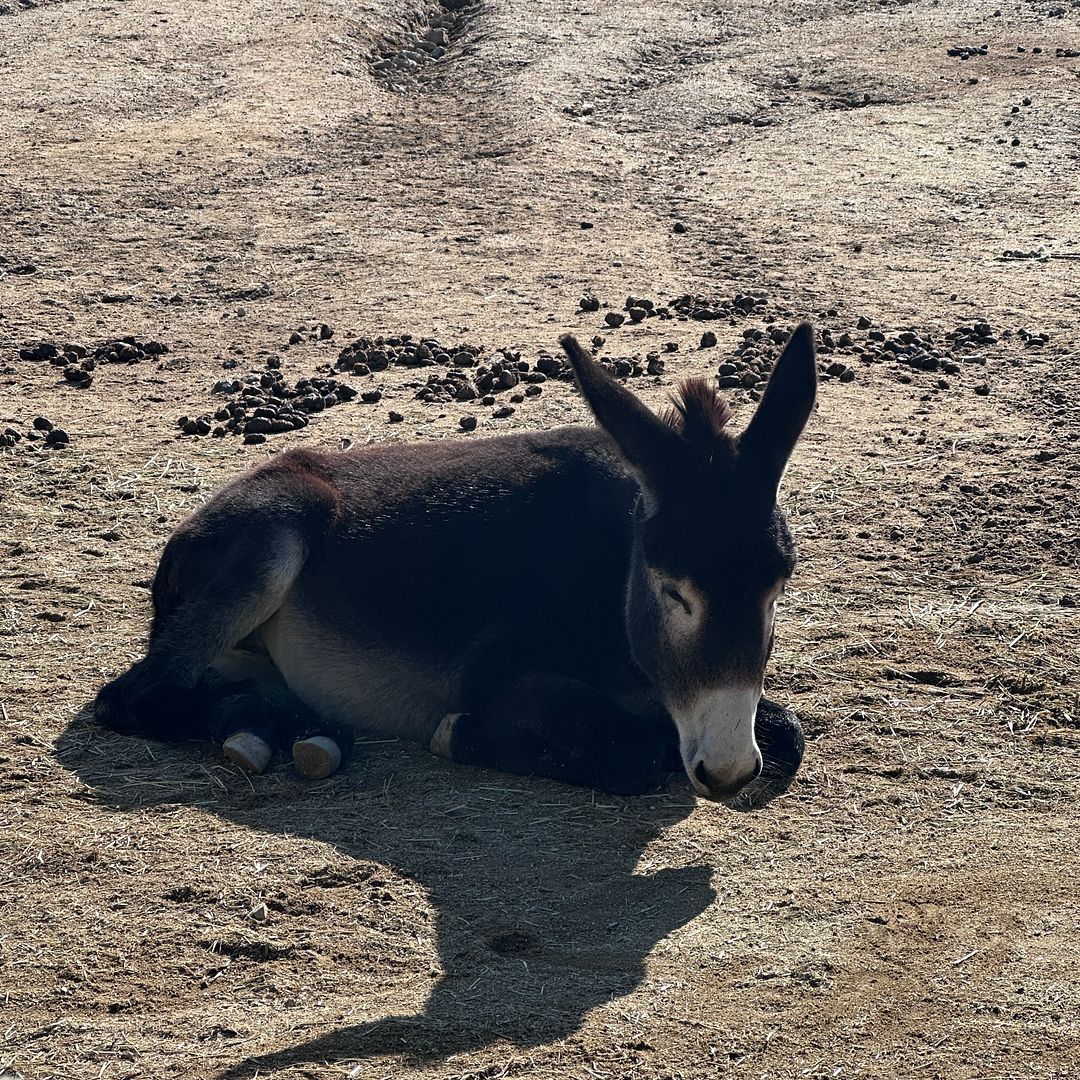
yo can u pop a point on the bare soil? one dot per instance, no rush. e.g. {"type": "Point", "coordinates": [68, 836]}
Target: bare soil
{"type": "Point", "coordinates": [213, 176]}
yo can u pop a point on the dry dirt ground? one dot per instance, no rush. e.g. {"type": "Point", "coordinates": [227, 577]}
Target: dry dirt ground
{"type": "Point", "coordinates": [214, 175]}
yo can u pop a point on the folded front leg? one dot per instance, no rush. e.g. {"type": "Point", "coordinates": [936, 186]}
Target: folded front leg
{"type": "Point", "coordinates": [543, 724]}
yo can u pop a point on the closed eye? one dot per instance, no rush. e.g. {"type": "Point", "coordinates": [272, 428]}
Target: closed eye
{"type": "Point", "coordinates": [673, 594]}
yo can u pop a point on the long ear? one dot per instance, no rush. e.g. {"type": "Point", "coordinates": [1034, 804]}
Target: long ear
{"type": "Point", "coordinates": [775, 427]}
{"type": "Point", "coordinates": [648, 444]}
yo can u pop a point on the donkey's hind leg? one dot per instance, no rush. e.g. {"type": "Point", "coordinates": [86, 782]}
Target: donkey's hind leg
{"type": "Point", "coordinates": [255, 720]}
{"type": "Point", "coordinates": [213, 588]}
{"type": "Point", "coordinates": [549, 725]}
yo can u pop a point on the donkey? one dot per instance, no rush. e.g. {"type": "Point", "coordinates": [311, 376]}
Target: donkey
{"type": "Point", "coordinates": [589, 604]}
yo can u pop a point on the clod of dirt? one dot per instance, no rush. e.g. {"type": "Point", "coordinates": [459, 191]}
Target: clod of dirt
{"type": "Point", "coordinates": [45, 350]}
{"type": "Point", "coordinates": [318, 331]}
{"type": "Point", "coordinates": [78, 377]}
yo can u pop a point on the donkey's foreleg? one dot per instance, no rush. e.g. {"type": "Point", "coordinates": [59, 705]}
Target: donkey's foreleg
{"type": "Point", "coordinates": [544, 724]}
{"type": "Point", "coordinates": [779, 736]}
{"type": "Point", "coordinates": [211, 592]}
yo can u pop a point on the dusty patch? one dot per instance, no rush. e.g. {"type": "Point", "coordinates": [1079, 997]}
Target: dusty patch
{"type": "Point", "coordinates": [216, 178]}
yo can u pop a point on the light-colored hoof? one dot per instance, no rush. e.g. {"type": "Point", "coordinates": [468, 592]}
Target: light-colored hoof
{"type": "Point", "coordinates": [248, 752]}
{"type": "Point", "coordinates": [443, 740]}
{"type": "Point", "coordinates": [317, 757]}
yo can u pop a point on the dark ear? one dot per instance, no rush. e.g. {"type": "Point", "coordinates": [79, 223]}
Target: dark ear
{"type": "Point", "coordinates": [775, 427]}
{"type": "Point", "coordinates": [648, 444]}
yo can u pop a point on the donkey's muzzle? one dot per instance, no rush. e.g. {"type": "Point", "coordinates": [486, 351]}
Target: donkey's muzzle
{"type": "Point", "coordinates": [721, 786]}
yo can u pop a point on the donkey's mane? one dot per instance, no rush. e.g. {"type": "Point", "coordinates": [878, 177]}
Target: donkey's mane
{"type": "Point", "coordinates": [698, 412]}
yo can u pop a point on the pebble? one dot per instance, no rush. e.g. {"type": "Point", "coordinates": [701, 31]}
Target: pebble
{"type": "Point", "coordinates": [588, 302]}
{"type": "Point", "coordinates": [614, 319]}
{"type": "Point", "coordinates": [467, 423]}
{"type": "Point", "coordinates": [708, 340]}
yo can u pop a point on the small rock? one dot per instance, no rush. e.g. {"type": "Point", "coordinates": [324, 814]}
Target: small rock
{"type": "Point", "coordinates": [588, 302]}
{"type": "Point", "coordinates": [678, 227]}
{"type": "Point", "coordinates": [708, 340]}
{"type": "Point", "coordinates": [614, 319]}
{"type": "Point", "coordinates": [467, 423]}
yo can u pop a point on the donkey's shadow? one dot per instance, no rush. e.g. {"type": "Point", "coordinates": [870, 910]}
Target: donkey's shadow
{"type": "Point", "coordinates": [539, 914]}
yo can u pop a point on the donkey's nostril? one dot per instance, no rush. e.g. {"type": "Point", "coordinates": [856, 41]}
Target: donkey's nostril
{"type": "Point", "coordinates": [718, 788]}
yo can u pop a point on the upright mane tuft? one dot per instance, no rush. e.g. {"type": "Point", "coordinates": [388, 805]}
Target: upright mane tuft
{"type": "Point", "coordinates": [698, 412]}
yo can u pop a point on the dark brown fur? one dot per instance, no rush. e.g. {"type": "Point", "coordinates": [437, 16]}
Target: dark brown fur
{"type": "Point", "coordinates": [510, 580]}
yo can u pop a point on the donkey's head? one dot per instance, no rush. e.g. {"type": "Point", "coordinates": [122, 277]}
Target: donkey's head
{"type": "Point", "coordinates": [712, 551]}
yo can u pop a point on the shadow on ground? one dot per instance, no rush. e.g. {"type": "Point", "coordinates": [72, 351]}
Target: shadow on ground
{"type": "Point", "coordinates": [539, 914]}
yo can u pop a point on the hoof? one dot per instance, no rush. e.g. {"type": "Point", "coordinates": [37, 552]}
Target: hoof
{"type": "Point", "coordinates": [247, 751]}
{"type": "Point", "coordinates": [317, 757]}
{"type": "Point", "coordinates": [442, 742]}
{"type": "Point", "coordinates": [780, 738]}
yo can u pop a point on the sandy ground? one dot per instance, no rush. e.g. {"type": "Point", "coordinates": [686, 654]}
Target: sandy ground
{"type": "Point", "coordinates": [213, 176]}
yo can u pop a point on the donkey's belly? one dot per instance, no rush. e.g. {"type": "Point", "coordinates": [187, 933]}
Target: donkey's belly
{"type": "Point", "coordinates": [373, 690]}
